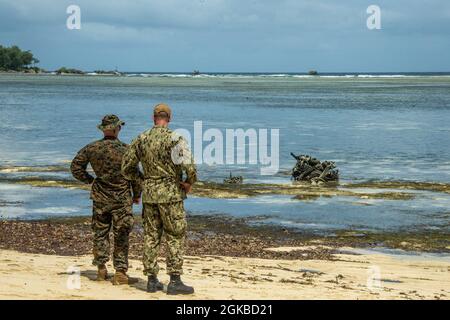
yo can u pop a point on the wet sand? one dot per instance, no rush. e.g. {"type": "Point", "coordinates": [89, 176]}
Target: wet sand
{"type": "Point", "coordinates": [217, 235]}
{"type": "Point", "coordinates": [207, 235]}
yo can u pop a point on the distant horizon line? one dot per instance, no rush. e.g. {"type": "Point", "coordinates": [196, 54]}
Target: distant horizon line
{"type": "Point", "coordinates": [275, 72]}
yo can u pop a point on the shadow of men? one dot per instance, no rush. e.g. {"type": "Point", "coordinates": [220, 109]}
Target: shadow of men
{"type": "Point", "coordinates": [141, 285]}
{"type": "Point", "coordinates": [91, 275]}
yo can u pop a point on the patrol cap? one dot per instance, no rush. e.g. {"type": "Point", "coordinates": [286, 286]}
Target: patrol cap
{"type": "Point", "coordinates": [110, 122]}
{"type": "Point", "coordinates": [162, 108]}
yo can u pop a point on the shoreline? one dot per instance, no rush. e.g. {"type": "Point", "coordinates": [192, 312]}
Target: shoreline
{"type": "Point", "coordinates": [221, 235]}
{"type": "Point", "coordinates": [208, 227]}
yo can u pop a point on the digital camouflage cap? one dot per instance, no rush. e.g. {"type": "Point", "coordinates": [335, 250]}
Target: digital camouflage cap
{"type": "Point", "coordinates": [110, 122]}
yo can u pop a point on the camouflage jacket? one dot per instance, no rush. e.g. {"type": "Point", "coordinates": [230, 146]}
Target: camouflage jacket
{"type": "Point", "coordinates": [109, 185]}
{"type": "Point", "coordinates": [159, 151]}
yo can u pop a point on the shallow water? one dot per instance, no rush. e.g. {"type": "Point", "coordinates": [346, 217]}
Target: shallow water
{"type": "Point", "coordinates": [388, 128]}
{"type": "Point", "coordinates": [321, 216]}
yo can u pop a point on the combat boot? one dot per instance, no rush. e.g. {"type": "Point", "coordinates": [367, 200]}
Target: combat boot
{"type": "Point", "coordinates": [120, 277]}
{"type": "Point", "coordinates": [102, 272]}
{"type": "Point", "coordinates": [153, 284]}
{"type": "Point", "coordinates": [176, 286]}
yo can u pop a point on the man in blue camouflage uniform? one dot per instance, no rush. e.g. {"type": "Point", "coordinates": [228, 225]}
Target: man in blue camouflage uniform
{"type": "Point", "coordinates": [164, 157]}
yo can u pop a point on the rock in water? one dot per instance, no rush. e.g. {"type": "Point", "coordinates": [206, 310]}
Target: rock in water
{"type": "Point", "coordinates": [234, 180]}
{"type": "Point", "coordinates": [312, 170]}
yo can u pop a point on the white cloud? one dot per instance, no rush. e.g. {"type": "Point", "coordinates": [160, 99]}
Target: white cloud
{"type": "Point", "coordinates": [104, 33]}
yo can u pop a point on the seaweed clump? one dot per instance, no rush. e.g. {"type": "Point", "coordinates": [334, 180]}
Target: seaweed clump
{"type": "Point", "coordinates": [233, 180]}
{"type": "Point", "coordinates": [314, 171]}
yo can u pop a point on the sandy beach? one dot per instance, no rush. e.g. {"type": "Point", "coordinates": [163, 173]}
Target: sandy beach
{"type": "Point", "coordinates": [350, 276]}
{"type": "Point", "coordinates": [227, 259]}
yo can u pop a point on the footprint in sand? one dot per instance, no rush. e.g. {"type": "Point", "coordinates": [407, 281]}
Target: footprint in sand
{"type": "Point", "coordinates": [13, 265]}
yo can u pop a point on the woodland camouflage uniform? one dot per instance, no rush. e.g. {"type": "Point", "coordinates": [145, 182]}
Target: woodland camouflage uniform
{"type": "Point", "coordinates": [162, 196]}
{"type": "Point", "coordinates": [111, 193]}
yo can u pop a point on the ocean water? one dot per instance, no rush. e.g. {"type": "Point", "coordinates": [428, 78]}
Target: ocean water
{"type": "Point", "coordinates": [375, 127]}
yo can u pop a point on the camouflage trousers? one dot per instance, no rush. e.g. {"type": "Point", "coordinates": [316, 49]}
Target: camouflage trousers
{"type": "Point", "coordinates": [170, 219]}
{"type": "Point", "coordinates": [119, 217]}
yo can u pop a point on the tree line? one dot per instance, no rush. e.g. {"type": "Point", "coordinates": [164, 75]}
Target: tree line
{"type": "Point", "coordinates": [13, 58]}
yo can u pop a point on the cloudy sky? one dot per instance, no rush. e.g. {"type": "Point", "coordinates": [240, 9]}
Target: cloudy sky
{"type": "Point", "coordinates": [232, 35]}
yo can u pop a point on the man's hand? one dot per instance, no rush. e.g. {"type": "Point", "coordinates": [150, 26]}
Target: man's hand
{"type": "Point", "coordinates": [136, 200]}
{"type": "Point", "coordinates": [187, 187]}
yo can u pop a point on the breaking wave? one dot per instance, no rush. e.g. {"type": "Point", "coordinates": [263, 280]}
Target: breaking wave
{"type": "Point", "coordinates": [277, 75]}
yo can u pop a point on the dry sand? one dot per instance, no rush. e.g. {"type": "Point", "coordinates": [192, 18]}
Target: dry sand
{"type": "Point", "coordinates": [366, 276]}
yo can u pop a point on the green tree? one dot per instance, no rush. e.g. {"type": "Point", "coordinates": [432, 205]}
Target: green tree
{"type": "Point", "coordinates": [5, 61]}
{"type": "Point", "coordinates": [15, 59]}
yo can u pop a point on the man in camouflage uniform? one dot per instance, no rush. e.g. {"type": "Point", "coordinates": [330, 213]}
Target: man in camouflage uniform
{"type": "Point", "coordinates": [112, 196]}
{"type": "Point", "coordinates": [164, 157]}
